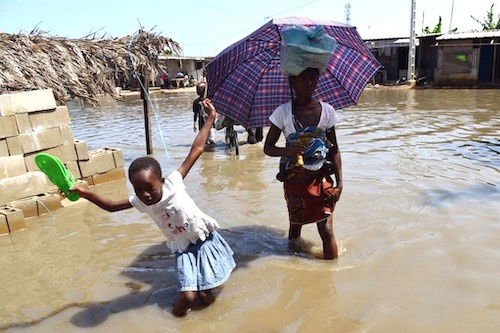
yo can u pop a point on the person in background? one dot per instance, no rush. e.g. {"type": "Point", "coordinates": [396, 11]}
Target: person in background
{"type": "Point", "coordinates": [310, 156]}
{"type": "Point", "coordinates": [203, 258]}
{"type": "Point", "coordinates": [203, 77]}
{"type": "Point", "coordinates": [255, 135]}
{"type": "Point", "coordinates": [199, 115]}
{"type": "Point", "coordinates": [192, 81]}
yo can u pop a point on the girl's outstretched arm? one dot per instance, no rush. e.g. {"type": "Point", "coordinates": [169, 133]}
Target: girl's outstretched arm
{"type": "Point", "coordinates": [200, 140]}
{"type": "Point", "coordinates": [101, 201]}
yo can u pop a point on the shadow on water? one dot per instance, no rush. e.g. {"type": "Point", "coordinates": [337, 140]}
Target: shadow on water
{"type": "Point", "coordinates": [156, 267]}
{"type": "Point", "coordinates": [438, 197]}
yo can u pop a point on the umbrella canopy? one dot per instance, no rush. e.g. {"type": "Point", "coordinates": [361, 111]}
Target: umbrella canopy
{"type": "Point", "coordinates": [245, 82]}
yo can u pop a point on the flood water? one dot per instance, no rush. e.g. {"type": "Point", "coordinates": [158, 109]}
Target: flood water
{"type": "Point", "coordinates": [418, 226]}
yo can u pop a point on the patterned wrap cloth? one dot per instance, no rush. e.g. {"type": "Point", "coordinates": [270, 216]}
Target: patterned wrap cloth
{"type": "Point", "coordinates": [308, 192]}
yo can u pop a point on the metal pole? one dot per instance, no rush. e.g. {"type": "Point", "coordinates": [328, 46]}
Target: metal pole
{"type": "Point", "coordinates": [451, 15]}
{"type": "Point", "coordinates": [147, 128]}
{"type": "Point", "coordinates": [411, 49]}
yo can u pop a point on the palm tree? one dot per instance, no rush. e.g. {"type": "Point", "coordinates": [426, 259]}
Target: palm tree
{"type": "Point", "coordinates": [488, 22]}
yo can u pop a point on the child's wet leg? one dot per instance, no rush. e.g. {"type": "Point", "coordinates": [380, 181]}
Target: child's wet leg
{"type": "Point", "coordinates": [325, 229]}
{"type": "Point", "coordinates": [184, 301]}
{"type": "Point", "coordinates": [206, 297]}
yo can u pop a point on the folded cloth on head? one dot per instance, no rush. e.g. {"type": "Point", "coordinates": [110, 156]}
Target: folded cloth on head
{"type": "Point", "coordinates": [305, 47]}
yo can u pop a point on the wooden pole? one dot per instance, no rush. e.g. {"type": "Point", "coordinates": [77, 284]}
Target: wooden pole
{"type": "Point", "coordinates": [145, 103]}
{"type": "Point", "coordinates": [493, 69]}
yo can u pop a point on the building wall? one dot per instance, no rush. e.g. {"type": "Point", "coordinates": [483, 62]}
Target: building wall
{"type": "Point", "coordinates": [458, 63]}
{"type": "Point", "coordinates": [192, 66]}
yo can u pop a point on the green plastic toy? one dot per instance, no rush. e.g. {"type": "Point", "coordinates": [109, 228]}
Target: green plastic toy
{"type": "Point", "coordinates": [54, 168]}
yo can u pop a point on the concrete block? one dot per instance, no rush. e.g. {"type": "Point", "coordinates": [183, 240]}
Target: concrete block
{"type": "Point", "coordinates": [87, 168]}
{"type": "Point", "coordinates": [72, 166]}
{"type": "Point", "coordinates": [66, 153]}
{"type": "Point", "coordinates": [47, 202]}
{"type": "Point", "coordinates": [40, 140]}
{"type": "Point", "coordinates": [14, 145]}
{"type": "Point", "coordinates": [15, 218]}
{"type": "Point", "coordinates": [29, 162]}
{"type": "Point", "coordinates": [4, 227]}
{"type": "Point", "coordinates": [4, 150]}
{"type": "Point", "coordinates": [23, 123]}
{"type": "Point", "coordinates": [108, 176]}
{"type": "Point", "coordinates": [27, 101]}
{"type": "Point", "coordinates": [53, 189]}
{"type": "Point", "coordinates": [82, 150]}
{"type": "Point", "coordinates": [117, 156]}
{"type": "Point", "coordinates": [50, 118]}
{"type": "Point", "coordinates": [8, 126]}
{"type": "Point", "coordinates": [11, 166]}
{"type": "Point", "coordinates": [27, 205]}
{"type": "Point", "coordinates": [102, 159]}
{"type": "Point", "coordinates": [89, 180]}
{"type": "Point", "coordinates": [82, 182]}
{"type": "Point", "coordinates": [5, 106]}
{"type": "Point", "coordinates": [23, 186]}
{"type": "Point", "coordinates": [66, 134]}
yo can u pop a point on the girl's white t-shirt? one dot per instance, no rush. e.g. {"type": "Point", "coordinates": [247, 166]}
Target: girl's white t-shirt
{"type": "Point", "coordinates": [177, 215]}
{"type": "Point", "coordinates": [282, 117]}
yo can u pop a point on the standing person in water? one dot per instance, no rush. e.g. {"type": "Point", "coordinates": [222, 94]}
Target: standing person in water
{"type": "Point", "coordinates": [203, 258]}
{"type": "Point", "coordinates": [310, 156]}
{"type": "Point", "coordinates": [199, 115]}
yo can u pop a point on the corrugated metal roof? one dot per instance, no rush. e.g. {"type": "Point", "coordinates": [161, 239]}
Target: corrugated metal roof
{"type": "Point", "coordinates": [470, 35]}
{"type": "Point", "coordinates": [383, 38]}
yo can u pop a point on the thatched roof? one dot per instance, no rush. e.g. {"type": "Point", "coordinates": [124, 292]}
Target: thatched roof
{"type": "Point", "coordinates": [84, 68]}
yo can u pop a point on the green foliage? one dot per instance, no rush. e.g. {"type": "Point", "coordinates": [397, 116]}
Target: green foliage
{"type": "Point", "coordinates": [488, 22]}
{"type": "Point", "coordinates": [437, 28]}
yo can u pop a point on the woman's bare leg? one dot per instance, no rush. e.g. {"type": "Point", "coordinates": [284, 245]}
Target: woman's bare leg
{"type": "Point", "coordinates": [325, 229]}
{"type": "Point", "coordinates": [294, 231]}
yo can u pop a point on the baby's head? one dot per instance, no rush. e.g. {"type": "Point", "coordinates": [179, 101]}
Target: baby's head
{"type": "Point", "coordinates": [145, 175]}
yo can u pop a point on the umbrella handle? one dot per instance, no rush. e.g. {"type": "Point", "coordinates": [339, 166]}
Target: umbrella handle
{"type": "Point", "coordinates": [300, 160]}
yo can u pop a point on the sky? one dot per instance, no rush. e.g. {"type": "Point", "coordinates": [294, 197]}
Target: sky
{"type": "Point", "coordinates": [203, 28]}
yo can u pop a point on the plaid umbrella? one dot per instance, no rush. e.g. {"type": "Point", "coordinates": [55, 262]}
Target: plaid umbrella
{"type": "Point", "coordinates": [245, 82]}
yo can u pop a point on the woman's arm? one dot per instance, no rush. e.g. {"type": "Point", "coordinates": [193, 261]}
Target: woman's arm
{"type": "Point", "coordinates": [101, 201]}
{"type": "Point", "coordinates": [200, 140]}
{"type": "Point", "coordinates": [336, 159]}
{"type": "Point", "coordinates": [271, 149]}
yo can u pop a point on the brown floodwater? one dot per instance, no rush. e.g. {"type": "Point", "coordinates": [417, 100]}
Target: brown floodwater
{"type": "Point", "coordinates": [418, 227]}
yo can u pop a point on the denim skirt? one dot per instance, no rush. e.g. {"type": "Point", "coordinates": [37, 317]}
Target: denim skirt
{"type": "Point", "coordinates": [205, 265]}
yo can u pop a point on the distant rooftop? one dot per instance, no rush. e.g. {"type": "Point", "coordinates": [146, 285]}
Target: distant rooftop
{"type": "Point", "coordinates": [470, 35]}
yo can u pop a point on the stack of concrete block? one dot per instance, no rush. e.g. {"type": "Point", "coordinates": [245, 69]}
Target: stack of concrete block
{"type": "Point", "coordinates": [32, 123]}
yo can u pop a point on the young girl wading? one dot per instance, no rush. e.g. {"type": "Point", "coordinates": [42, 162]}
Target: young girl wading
{"type": "Point", "coordinates": [203, 258]}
